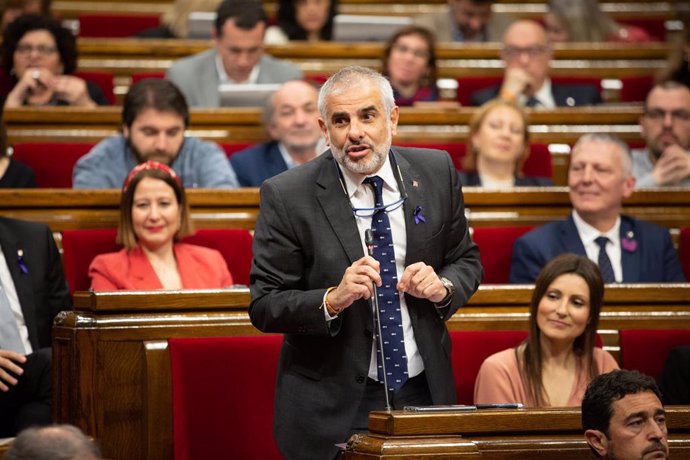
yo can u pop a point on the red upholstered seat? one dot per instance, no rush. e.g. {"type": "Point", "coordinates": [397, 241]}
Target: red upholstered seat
{"type": "Point", "coordinates": [496, 250]}
{"type": "Point", "coordinates": [222, 395]}
{"type": "Point", "coordinates": [234, 147]}
{"type": "Point", "coordinates": [138, 76]}
{"type": "Point", "coordinates": [646, 349]}
{"type": "Point", "coordinates": [684, 250]}
{"type": "Point", "coordinates": [52, 162]}
{"type": "Point", "coordinates": [470, 349]}
{"type": "Point", "coordinates": [110, 25]}
{"type": "Point", "coordinates": [81, 246]}
{"type": "Point", "coordinates": [537, 164]}
{"type": "Point", "coordinates": [104, 80]}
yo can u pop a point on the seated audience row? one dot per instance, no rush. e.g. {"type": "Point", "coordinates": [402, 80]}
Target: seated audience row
{"type": "Point", "coordinates": [39, 57]}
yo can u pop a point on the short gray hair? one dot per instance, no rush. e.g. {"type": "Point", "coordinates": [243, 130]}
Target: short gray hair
{"type": "Point", "coordinates": [626, 157]}
{"type": "Point", "coordinates": [55, 442]}
{"type": "Point", "coordinates": [353, 76]}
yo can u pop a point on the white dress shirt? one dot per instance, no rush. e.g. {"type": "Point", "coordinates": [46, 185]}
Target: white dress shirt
{"type": "Point", "coordinates": [613, 248]}
{"type": "Point", "coordinates": [224, 78]}
{"type": "Point", "coordinates": [544, 96]}
{"type": "Point", "coordinates": [11, 292]}
{"type": "Point", "coordinates": [362, 196]}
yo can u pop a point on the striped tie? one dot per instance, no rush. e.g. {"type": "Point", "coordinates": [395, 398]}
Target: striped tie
{"type": "Point", "coordinates": [388, 297]}
{"type": "Point", "coordinates": [605, 266]}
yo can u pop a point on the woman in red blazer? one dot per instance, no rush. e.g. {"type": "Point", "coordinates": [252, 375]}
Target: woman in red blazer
{"type": "Point", "coordinates": [154, 215]}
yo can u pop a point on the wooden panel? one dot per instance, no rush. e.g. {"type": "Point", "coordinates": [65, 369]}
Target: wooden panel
{"type": "Point", "coordinates": [113, 374]}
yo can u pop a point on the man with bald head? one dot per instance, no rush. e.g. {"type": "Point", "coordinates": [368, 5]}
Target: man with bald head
{"type": "Point", "coordinates": [527, 54]}
{"type": "Point", "coordinates": [665, 127]}
{"type": "Point", "coordinates": [626, 249]}
{"type": "Point", "coordinates": [291, 119]}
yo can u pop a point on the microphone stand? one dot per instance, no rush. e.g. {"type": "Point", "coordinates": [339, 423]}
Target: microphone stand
{"type": "Point", "coordinates": [369, 241]}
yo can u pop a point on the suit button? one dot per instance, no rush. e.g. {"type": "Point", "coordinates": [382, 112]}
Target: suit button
{"type": "Point", "coordinates": [359, 379]}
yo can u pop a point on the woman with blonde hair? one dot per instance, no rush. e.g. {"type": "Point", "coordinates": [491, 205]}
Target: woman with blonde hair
{"type": "Point", "coordinates": [557, 360]}
{"type": "Point", "coordinates": [498, 146]}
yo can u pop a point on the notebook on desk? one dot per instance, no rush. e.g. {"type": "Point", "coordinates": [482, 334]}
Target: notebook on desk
{"type": "Point", "coordinates": [361, 28]}
{"type": "Point", "coordinates": [245, 95]}
{"type": "Point", "coordinates": [200, 24]}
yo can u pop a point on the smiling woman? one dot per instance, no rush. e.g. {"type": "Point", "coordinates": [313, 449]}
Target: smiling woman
{"type": "Point", "coordinates": [154, 215]}
{"type": "Point", "coordinates": [553, 366]}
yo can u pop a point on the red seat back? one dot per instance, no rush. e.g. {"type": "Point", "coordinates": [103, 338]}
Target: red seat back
{"type": "Point", "coordinates": [231, 148]}
{"type": "Point", "coordinates": [81, 246]}
{"type": "Point", "coordinates": [636, 88]}
{"type": "Point", "coordinates": [469, 85]}
{"type": "Point", "coordinates": [684, 250]}
{"type": "Point", "coordinates": [104, 80]}
{"type": "Point", "coordinates": [52, 162]}
{"type": "Point", "coordinates": [111, 25]}
{"type": "Point", "coordinates": [537, 164]}
{"type": "Point", "coordinates": [645, 350]}
{"type": "Point", "coordinates": [496, 250]}
{"type": "Point", "coordinates": [470, 349]}
{"type": "Point", "coordinates": [222, 396]}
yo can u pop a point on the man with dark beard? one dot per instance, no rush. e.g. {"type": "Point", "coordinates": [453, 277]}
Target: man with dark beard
{"type": "Point", "coordinates": [312, 281]}
{"type": "Point", "coordinates": [665, 128]}
{"type": "Point", "coordinates": [291, 118]}
{"type": "Point", "coordinates": [623, 417]}
{"type": "Point", "coordinates": [154, 118]}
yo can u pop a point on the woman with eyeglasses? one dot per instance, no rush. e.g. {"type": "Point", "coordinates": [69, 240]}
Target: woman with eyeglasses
{"type": "Point", "coordinates": [559, 357]}
{"type": "Point", "coordinates": [498, 146]}
{"type": "Point", "coordinates": [39, 56]}
{"type": "Point", "coordinates": [409, 62]}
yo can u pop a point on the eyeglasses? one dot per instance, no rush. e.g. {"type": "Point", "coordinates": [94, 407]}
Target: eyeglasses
{"type": "Point", "coordinates": [43, 50]}
{"type": "Point", "coordinates": [416, 52]}
{"type": "Point", "coordinates": [658, 115]}
{"type": "Point", "coordinates": [514, 52]}
{"type": "Point", "coordinates": [369, 212]}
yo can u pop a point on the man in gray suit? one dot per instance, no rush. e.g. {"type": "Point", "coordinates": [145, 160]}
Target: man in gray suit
{"type": "Point", "coordinates": [237, 57]}
{"type": "Point", "coordinates": [312, 281]}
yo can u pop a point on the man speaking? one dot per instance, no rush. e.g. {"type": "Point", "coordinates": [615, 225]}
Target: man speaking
{"type": "Point", "coordinates": [312, 281]}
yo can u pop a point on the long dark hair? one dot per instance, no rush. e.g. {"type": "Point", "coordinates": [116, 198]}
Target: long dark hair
{"type": "Point", "coordinates": [429, 38]}
{"type": "Point", "coordinates": [287, 21]}
{"type": "Point", "coordinates": [583, 347]}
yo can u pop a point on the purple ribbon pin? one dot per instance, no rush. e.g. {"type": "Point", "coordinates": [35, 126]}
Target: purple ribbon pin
{"type": "Point", "coordinates": [20, 260]}
{"type": "Point", "coordinates": [628, 243]}
{"type": "Point", "coordinates": [418, 217]}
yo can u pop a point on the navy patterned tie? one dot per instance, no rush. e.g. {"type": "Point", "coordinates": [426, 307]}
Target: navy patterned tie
{"type": "Point", "coordinates": [605, 266]}
{"type": "Point", "coordinates": [388, 297]}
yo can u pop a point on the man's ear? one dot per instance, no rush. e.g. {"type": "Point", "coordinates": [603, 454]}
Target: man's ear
{"type": "Point", "coordinates": [125, 131]}
{"type": "Point", "coordinates": [324, 131]}
{"type": "Point", "coordinates": [598, 441]}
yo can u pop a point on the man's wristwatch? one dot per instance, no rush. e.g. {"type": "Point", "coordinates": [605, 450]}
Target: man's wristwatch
{"type": "Point", "coordinates": [448, 284]}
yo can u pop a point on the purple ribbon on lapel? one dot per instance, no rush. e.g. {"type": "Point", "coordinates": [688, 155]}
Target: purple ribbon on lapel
{"type": "Point", "coordinates": [20, 261]}
{"type": "Point", "coordinates": [628, 243]}
{"type": "Point", "coordinates": [418, 217]}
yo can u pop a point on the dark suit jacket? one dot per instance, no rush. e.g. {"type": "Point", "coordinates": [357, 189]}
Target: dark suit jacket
{"type": "Point", "coordinates": [654, 260]}
{"type": "Point", "coordinates": [565, 95]}
{"type": "Point", "coordinates": [472, 179]}
{"type": "Point", "coordinates": [42, 292]}
{"type": "Point", "coordinates": [305, 238]}
{"type": "Point", "coordinates": [674, 381]}
{"type": "Point", "coordinates": [257, 163]}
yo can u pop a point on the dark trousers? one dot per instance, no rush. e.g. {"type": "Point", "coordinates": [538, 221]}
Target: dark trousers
{"type": "Point", "coordinates": [415, 392]}
{"type": "Point", "coordinates": [28, 402]}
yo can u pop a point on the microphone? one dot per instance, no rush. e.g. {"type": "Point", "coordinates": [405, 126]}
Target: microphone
{"type": "Point", "coordinates": [369, 242]}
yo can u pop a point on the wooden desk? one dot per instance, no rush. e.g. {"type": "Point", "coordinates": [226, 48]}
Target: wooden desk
{"type": "Point", "coordinates": [64, 209]}
{"type": "Point", "coordinates": [494, 434]}
{"type": "Point", "coordinates": [111, 364]}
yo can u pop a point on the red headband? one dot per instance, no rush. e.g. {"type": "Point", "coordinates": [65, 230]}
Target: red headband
{"type": "Point", "coordinates": [147, 166]}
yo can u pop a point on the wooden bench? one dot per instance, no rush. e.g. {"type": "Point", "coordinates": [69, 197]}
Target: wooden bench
{"type": "Point", "coordinates": [64, 209]}
{"type": "Point", "coordinates": [493, 434]}
{"type": "Point", "coordinates": [112, 368]}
